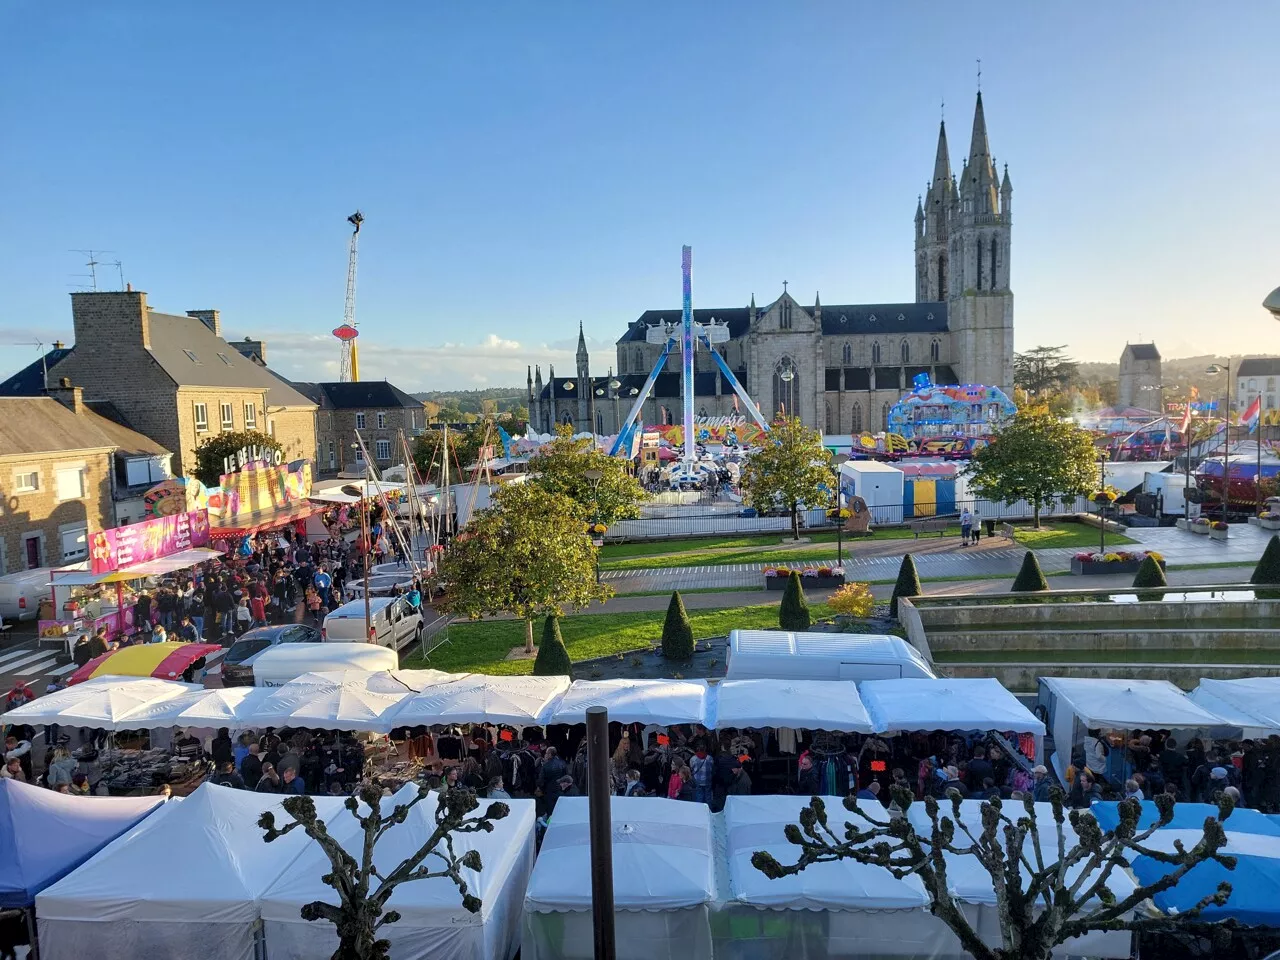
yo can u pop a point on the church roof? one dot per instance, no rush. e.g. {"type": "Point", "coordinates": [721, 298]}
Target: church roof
{"type": "Point", "coordinates": [1143, 351]}
{"type": "Point", "coordinates": [837, 319]}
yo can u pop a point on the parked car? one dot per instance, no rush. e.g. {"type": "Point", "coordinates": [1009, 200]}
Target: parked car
{"type": "Point", "coordinates": [394, 622]}
{"type": "Point", "coordinates": [237, 665]}
{"type": "Point", "coordinates": [277, 665]}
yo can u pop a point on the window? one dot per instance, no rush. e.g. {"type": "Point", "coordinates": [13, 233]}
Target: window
{"type": "Point", "coordinates": [382, 420]}
{"type": "Point", "coordinates": [979, 264]}
{"type": "Point", "coordinates": [884, 416]}
{"type": "Point", "coordinates": [942, 277]}
{"type": "Point", "coordinates": [847, 354]}
{"type": "Point", "coordinates": [413, 419]}
{"type": "Point", "coordinates": [145, 470]}
{"type": "Point", "coordinates": [830, 428]}
{"type": "Point", "coordinates": [359, 454]}
{"type": "Point", "coordinates": [251, 416]}
{"type": "Point", "coordinates": [786, 387]}
{"type": "Point", "coordinates": [875, 354]}
{"type": "Point", "coordinates": [228, 416]}
{"type": "Point", "coordinates": [855, 419]}
{"type": "Point", "coordinates": [935, 351]}
{"type": "Point", "coordinates": [360, 421]}
{"type": "Point", "coordinates": [271, 428]}
{"type": "Point", "coordinates": [383, 450]}
{"type": "Point", "coordinates": [75, 542]}
{"type": "Point", "coordinates": [333, 457]}
{"type": "Point", "coordinates": [905, 352]}
{"type": "Point", "coordinates": [191, 356]}
{"type": "Point", "coordinates": [1271, 383]}
{"type": "Point", "coordinates": [1253, 386]}
{"type": "Point", "coordinates": [225, 359]}
{"type": "Point", "coordinates": [69, 482]}
{"type": "Point", "coordinates": [784, 320]}
{"type": "Point", "coordinates": [202, 418]}
{"type": "Point", "coordinates": [993, 283]}
{"type": "Point", "coordinates": [33, 550]}
{"type": "Point", "coordinates": [28, 481]}
{"type": "Point", "coordinates": [330, 419]}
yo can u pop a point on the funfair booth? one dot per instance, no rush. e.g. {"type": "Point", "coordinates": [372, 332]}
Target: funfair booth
{"type": "Point", "coordinates": [663, 882]}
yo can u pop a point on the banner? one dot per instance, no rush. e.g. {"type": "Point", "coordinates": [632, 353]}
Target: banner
{"type": "Point", "coordinates": [260, 488]}
{"type": "Point", "coordinates": [152, 539]}
{"type": "Point", "coordinates": [733, 431]}
{"type": "Point", "coordinates": [176, 495]}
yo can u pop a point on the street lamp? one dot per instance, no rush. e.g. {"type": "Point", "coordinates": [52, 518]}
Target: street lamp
{"type": "Point", "coordinates": [364, 536]}
{"type": "Point", "coordinates": [594, 477]}
{"type": "Point", "coordinates": [1272, 303]}
{"type": "Point", "coordinates": [613, 389]}
{"type": "Point", "coordinates": [1102, 502]}
{"type": "Point", "coordinates": [839, 459]}
{"type": "Point", "coordinates": [1215, 368]}
{"type": "Point", "coordinates": [787, 375]}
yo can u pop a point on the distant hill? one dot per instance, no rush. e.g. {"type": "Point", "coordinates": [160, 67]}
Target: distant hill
{"type": "Point", "coordinates": [471, 401]}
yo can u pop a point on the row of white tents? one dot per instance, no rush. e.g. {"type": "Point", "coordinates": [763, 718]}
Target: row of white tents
{"type": "Point", "coordinates": [378, 702]}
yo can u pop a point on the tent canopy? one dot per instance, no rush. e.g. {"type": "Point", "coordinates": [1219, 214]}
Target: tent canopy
{"type": "Point", "coordinates": [150, 568]}
{"type": "Point", "coordinates": [337, 700]}
{"type": "Point", "coordinates": [1252, 703]}
{"type": "Point", "coordinates": [1252, 838]}
{"type": "Point", "coordinates": [477, 698]}
{"type": "Point", "coordinates": [1130, 703]}
{"type": "Point", "coordinates": [662, 856]}
{"type": "Point", "coordinates": [104, 702]}
{"type": "Point", "coordinates": [164, 661]}
{"type": "Point", "coordinates": [45, 835]}
{"type": "Point", "coordinates": [907, 705]}
{"type": "Point", "coordinates": [220, 707]}
{"type": "Point", "coordinates": [803, 704]}
{"type": "Point", "coordinates": [663, 702]}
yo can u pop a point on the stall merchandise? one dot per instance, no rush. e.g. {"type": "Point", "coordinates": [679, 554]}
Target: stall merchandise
{"type": "Point", "coordinates": [1252, 838]}
{"type": "Point", "coordinates": [186, 885]}
{"type": "Point", "coordinates": [661, 702]}
{"type": "Point", "coordinates": [103, 703]}
{"type": "Point", "coordinates": [832, 705]}
{"type": "Point", "coordinates": [478, 698]}
{"type": "Point", "coordinates": [663, 882]}
{"type": "Point", "coordinates": [164, 661]}
{"type": "Point", "coordinates": [128, 773]}
{"type": "Point", "coordinates": [45, 835]}
{"type": "Point", "coordinates": [1251, 703]}
{"type": "Point", "coordinates": [337, 700]}
{"type": "Point", "coordinates": [433, 923]}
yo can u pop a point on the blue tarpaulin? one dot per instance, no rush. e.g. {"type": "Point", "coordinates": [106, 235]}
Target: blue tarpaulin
{"type": "Point", "coordinates": [1252, 838]}
{"type": "Point", "coordinates": [45, 835]}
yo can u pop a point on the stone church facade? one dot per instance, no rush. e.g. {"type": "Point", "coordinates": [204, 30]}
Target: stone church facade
{"type": "Point", "coordinates": [838, 367]}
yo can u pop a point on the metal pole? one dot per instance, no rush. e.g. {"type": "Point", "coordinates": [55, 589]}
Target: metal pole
{"type": "Point", "coordinates": [1226, 444]}
{"type": "Point", "coordinates": [599, 795]}
{"type": "Point", "coordinates": [364, 537]}
{"type": "Point", "coordinates": [1102, 505]}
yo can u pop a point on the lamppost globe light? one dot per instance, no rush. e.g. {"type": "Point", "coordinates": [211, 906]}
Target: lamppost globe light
{"type": "Point", "coordinates": [614, 384]}
{"type": "Point", "coordinates": [787, 375]}
{"type": "Point", "coordinates": [1272, 303]}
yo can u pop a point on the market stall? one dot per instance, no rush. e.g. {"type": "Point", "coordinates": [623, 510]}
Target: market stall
{"type": "Point", "coordinates": [832, 705]}
{"type": "Point", "coordinates": [205, 709]}
{"type": "Point", "coordinates": [659, 702]}
{"type": "Point", "coordinates": [1109, 709]}
{"type": "Point", "coordinates": [663, 882]}
{"type": "Point", "coordinates": [479, 698]}
{"type": "Point", "coordinates": [164, 661]}
{"type": "Point", "coordinates": [433, 923]}
{"type": "Point", "coordinates": [340, 700]}
{"type": "Point", "coordinates": [1251, 703]}
{"type": "Point", "coordinates": [185, 885]}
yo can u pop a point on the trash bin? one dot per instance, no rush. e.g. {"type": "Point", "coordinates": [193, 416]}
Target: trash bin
{"type": "Point", "coordinates": [991, 527]}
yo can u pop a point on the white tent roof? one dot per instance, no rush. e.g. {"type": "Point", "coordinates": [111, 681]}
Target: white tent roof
{"type": "Point", "coordinates": [337, 700]}
{"type": "Point", "coordinates": [478, 698]}
{"type": "Point", "coordinates": [662, 856]}
{"type": "Point", "coordinates": [203, 859]}
{"type": "Point", "coordinates": [408, 681]}
{"type": "Point", "coordinates": [220, 707]}
{"type": "Point", "coordinates": [1252, 702]}
{"type": "Point", "coordinates": [662, 702]}
{"type": "Point", "coordinates": [981, 703]}
{"type": "Point", "coordinates": [756, 823]}
{"type": "Point", "coordinates": [804, 704]}
{"type": "Point", "coordinates": [1130, 703]}
{"type": "Point", "coordinates": [103, 702]}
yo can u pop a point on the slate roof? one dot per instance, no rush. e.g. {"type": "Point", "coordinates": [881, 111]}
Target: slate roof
{"type": "Point", "coordinates": [365, 394]}
{"type": "Point", "coordinates": [1143, 351]}
{"type": "Point", "coordinates": [1259, 367]}
{"type": "Point", "coordinates": [29, 381]}
{"type": "Point", "coordinates": [888, 318]}
{"type": "Point", "coordinates": [30, 425]}
{"type": "Point", "coordinates": [667, 385]}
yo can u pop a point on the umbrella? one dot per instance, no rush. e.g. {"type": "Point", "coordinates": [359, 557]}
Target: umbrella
{"type": "Point", "coordinates": [165, 661]}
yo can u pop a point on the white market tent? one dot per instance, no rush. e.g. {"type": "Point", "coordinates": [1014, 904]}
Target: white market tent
{"type": "Point", "coordinates": [477, 698]}
{"type": "Point", "coordinates": [184, 885]}
{"type": "Point", "coordinates": [971, 884]}
{"type": "Point", "coordinates": [979, 703]}
{"type": "Point", "coordinates": [337, 700]}
{"type": "Point", "coordinates": [663, 882]}
{"type": "Point", "coordinates": [407, 681]}
{"type": "Point", "coordinates": [840, 908]}
{"type": "Point", "coordinates": [222, 707]}
{"type": "Point", "coordinates": [661, 702]}
{"type": "Point", "coordinates": [802, 704]}
{"type": "Point", "coordinates": [1251, 703]}
{"type": "Point", "coordinates": [433, 922]}
{"type": "Point", "coordinates": [101, 703]}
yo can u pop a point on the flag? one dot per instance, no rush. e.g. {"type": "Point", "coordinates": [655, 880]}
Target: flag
{"type": "Point", "coordinates": [1186, 420]}
{"type": "Point", "coordinates": [1252, 414]}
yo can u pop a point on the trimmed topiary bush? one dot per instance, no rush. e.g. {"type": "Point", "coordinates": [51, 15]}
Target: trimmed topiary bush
{"type": "Point", "coordinates": [794, 612]}
{"type": "Point", "coordinates": [1150, 574]}
{"type": "Point", "coordinates": [677, 631]}
{"type": "Point", "coordinates": [908, 584]}
{"type": "Point", "coordinates": [553, 659]}
{"type": "Point", "coordinates": [1030, 578]}
{"type": "Point", "coordinates": [1268, 569]}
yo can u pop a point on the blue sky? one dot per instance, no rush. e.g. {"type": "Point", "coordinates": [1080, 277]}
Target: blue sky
{"type": "Point", "coordinates": [524, 167]}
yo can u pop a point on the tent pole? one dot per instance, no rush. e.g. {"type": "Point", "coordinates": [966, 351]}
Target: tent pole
{"type": "Point", "coordinates": [34, 948]}
{"type": "Point", "coordinates": [599, 791]}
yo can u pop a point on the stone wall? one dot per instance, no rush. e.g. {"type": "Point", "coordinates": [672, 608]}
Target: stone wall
{"type": "Point", "coordinates": [39, 514]}
{"type": "Point", "coordinates": [339, 428]}
{"type": "Point", "coordinates": [295, 428]}
{"type": "Point", "coordinates": [184, 407]}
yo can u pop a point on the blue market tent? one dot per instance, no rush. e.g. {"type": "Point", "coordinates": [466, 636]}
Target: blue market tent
{"type": "Point", "coordinates": [1253, 839]}
{"type": "Point", "coordinates": [45, 835]}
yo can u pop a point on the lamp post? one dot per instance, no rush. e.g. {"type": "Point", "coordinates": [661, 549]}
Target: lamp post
{"type": "Point", "coordinates": [594, 477]}
{"type": "Point", "coordinates": [1215, 368]}
{"type": "Point", "coordinates": [364, 538]}
{"type": "Point", "coordinates": [787, 375]}
{"type": "Point", "coordinates": [839, 459]}
{"type": "Point", "coordinates": [614, 385]}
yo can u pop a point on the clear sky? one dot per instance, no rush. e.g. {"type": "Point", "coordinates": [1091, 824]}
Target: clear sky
{"type": "Point", "coordinates": [524, 167]}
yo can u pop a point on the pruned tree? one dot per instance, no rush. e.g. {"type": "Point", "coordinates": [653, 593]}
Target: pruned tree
{"type": "Point", "coordinates": [553, 659]}
{"type": "Point", "coordinates": [360, 912]}
{"type": "Point", "coordinates": [791, 468]}
{"type": "Point", "coordinates": [793, 612]}
{"type": "Point", "coordinates": [677, 631]}
{"type": "Point", "coordinates": [907, 584]}
{"type": "Point", "coordinates": [1030, 577]}
{"type": "Point", "coordinates": [1048, 890]}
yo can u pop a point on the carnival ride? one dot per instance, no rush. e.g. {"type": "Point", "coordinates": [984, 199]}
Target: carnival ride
{"type": "Point", "coordinates": [349, 370]}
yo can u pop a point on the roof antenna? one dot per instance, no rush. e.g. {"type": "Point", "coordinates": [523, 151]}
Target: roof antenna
{"type": "Point", "coordinates": [93, 265]}
{"type": "Point", "coordinates": [120, 270]}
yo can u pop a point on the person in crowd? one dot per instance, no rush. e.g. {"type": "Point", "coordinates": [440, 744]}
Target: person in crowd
{"type": "Point", "coordinates": [702, 766]}
{"type": "Point", "coordinates": [979, 769]}
{"type": "Point", "coordinates": [1041, 784]}
{"type": "Point", "coordinates": [19, 696]}
{"type": "Point", "coordinates": [251, 768]}
{"type": "Point", "coordinates": [20, 750]}
{"type": "Point", "coordinates": [1132, 791]}
{"type": "Point", "coordinates": [142, 612]}
{"type": "Point", "coordinates": [221, 749]}
{"type": "Point", "coordinates": [677, 782]}
{"type": "Point", "coordinates": [953, 782]}
{"type": "Point", "coordinates": [1083, 792]}
{"type": "Point", "coordinates": [1173, 763]}
{"type": "Point", "coordinates": [1233, 793]}
{"type": "Point", "coordinates": [635, 786]}
{"type": "Point", "coordinates": [227, 776]}
{"type": "Point", "coordinates": [495, 790]}
{"type": "Point", "coordinates": [187, 631]}
{"type": "Point", "coordinates": [62, 768]}
{"type": "Point", "coordinates": [1095, 752]}
{"type": "Point", "coordinates": [553, 768]}
{"type": "Point", "coordinates": [79, 785]}
{"type": "Point", "coordinates": [244, 617]}
{"type": "Point", "coordinates": [740, 782]}
{"type": "Point", "coordinates": [807, 778]}
{"type": "Point", "coordinates": [270, 781]}
{"type": "Point", "coordinates": [165, 791]}
{"type": "Point", "coordinates": [989, 790]}
{"type": "Point", "coordinates": [257, 609]}
{"type": "Point", "coordinates": [187, 746]}
{"type": "Point", "coordinates": [158, 634]}
{"type": "Point", "coordinates": [966, 526]}
{"type": "Point", "coordinates": [870, 793]}
{"type": "Point", "coordinates": [291, 783]}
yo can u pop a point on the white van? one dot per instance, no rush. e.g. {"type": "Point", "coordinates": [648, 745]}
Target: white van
{"type": "Point", "coordinates": [394, 621]}
{"type": "Point", "coordinates": [277, 665]}
{"type": "Point", "coordinates": [21, 593]}
{"type": "Point", "coordinates": [778, 655]}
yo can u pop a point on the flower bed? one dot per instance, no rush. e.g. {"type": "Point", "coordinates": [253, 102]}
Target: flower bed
{"type": "Point", "coordinates": [1219, 530]}
{"type": "Point", "coordinates": [1121, 561]}
{"type": "Point", "coordinates": [1269, 520]}
{"type": "Point", "coordinates": [1200, 526]}
{"type": "Point", "coordinates": [775, 578]}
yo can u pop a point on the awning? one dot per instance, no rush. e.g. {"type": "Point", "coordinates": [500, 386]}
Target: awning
{"type": "Point", "coordinates": [334, 496]}
{"type": "Point", "coordinates": [151, 568]}
{"type": "Point", "coordinates": [250, 523]}
{"type": "Point", "coordinates": [164, 661]}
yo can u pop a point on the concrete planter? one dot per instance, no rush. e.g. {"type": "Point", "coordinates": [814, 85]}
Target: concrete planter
{"type": "Point", "coordinates": [1267, 523]}
{"type": "Point", "coordinates": [1219, 534]}
{"type": "Point", "coordinates": [1200, 529]}
{"type": "Point", "coordinates": [1088, 568]}
{"type": "Point", "coordinates": [808, 583]}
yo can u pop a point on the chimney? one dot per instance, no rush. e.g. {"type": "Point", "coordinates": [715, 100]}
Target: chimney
{"type": "Point", "coordinates": [210, 318]}
{"type": "Point", "coordinates": [253, 349]}
{"type": "Point", "coordinates": [111, 321]}
{"type": "Point", "coordinates": [59, 345]}
{"type": "Point", "coordinates": [70, 397]}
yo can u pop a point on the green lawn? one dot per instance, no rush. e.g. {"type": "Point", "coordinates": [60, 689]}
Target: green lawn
{"type": "Point", "coordinates": [718, 558]}
{"type": "Point", "coordinates": [1049, 657]}
{"type": "Point", "coordinates": [649, 548]}
{"type": "Point", "coordinates": [482, 647]}
{"type": "Point", "coordinates": [1065, 535]}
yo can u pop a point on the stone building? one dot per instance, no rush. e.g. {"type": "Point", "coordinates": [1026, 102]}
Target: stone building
{"type": "Point", "coordinates": [839, 367]}
{"type": "Point", "coordinates": [1140, 380]}
{"type": "Point", "coordinates": [1258, 376]}
{"type": "Point", "coordinates": [172, 378]}
{"type": "Point", "coordinates": [66, 471]}
{"type": "Point", "coordinates": [379, 410]}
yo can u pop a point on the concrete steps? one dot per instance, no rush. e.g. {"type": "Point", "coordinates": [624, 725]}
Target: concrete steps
{"type": "Point", "coordinates": [1043, 642]}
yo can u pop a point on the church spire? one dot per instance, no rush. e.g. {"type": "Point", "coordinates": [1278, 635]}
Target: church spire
{"type": "Point", "coordinates": [979, 149]}
{"type": "Point", "coordinates": [979, 183]}
{"type": "Point", "coordinates": [942, 161]}
{"type": "Point", "coordinates": [582, 343]}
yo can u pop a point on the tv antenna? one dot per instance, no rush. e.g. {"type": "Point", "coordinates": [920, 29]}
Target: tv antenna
{"type": "Point", "coordinates": [119, 270]}
{"type": "Point", "coordinates": [93, 264]}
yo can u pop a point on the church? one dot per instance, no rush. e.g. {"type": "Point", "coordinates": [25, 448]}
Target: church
{"type": "Point", "coordinates": [840, 368]}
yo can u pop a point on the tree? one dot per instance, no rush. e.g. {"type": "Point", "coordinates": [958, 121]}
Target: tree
{"type": "Point", "coordinates": [359, 914]}
{"type": "Point", "coordinates": [211, 455]}
{"type": "Point", "coordinates": [1150, 574]}
{"type": "Point", "coordinates": [791, 468]}
{"type": "Point", "coordinates": [553, 659]}
{"type": "Point", "coordinates": [1267, 572]}
{"type": "Point", "coordinates": [1030, 578]}
{"type": "Point", "coordinates": [1047, 891]}
{"type": "Point", "coordinates": [908, 584]}
{"type": "Point", "coordinates": [562, 465]}
{"type": "Point", "coordinates": [677, 631]}
{"type": "Point", "coordinates": [793, 614]}
{"type": "Point", "coordinates": [1035, 457]}
{"type": "Point", "coordinates": [528, 555]}
{"type": "Point", "coordinates": [1043, 371]}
